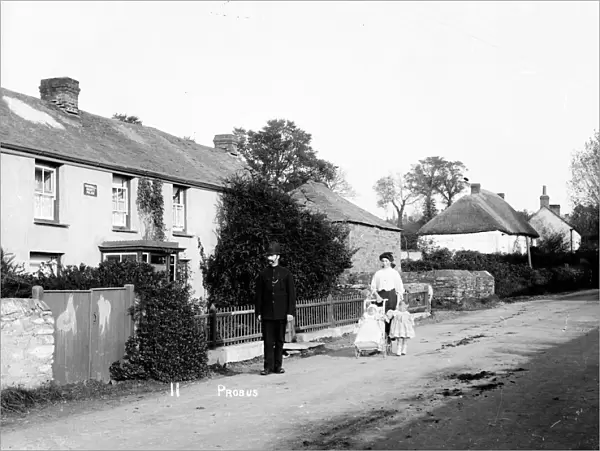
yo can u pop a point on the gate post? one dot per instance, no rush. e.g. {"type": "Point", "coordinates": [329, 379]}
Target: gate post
{"type": "Point", "coordinates": [212, 312]}
{"type": "Point", "coordinates": [37, 295]}
{"type": "Point", "coordinates": [330, 308]}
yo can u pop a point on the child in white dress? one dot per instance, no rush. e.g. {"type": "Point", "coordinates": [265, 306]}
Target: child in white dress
{"type": "Point", "coordinates": [402, 327]}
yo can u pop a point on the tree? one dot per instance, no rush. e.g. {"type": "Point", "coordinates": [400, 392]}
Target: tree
{"type": "Point", "coordinates": [339, 184]}
{"type": "Point", "coordinates": [251, 214]}
{"type": "Point", "coordinates": [281, 155]}
{"type": "Point", "coordinates": [392, 189]}
{"type": "Point", "coordinates": [129, 119]}
{"type": "Point", "coordinates": [452, 181]}
{"type": "Point", "coordinates": [525, 215]}
{"type": "Point", "coordinates": [585, 219]}
{"type": "Point", "coordinates": [585, 173]}
{"type": "Point", "coordinates": [430, 210]}
{"type": "Point", "coordinates": [436, 175]}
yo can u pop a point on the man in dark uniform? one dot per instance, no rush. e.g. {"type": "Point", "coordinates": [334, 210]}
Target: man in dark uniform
{"type": "Point", "coordinates": [275, 305]}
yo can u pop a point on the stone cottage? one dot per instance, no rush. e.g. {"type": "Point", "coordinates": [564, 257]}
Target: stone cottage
{"type": "Point", "coordinates": [370, 234]}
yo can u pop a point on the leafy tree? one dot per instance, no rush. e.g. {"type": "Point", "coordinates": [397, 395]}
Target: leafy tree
{"type": "Point", "coordinates": [281, 155]}
{"type": "Point", "coordinates": [452, 181]}
{"type": "Point", "coordinates": [585, 173]}
{"type": "Point", "coordinates": [126, 118]}
{"type": "Point", "coordinates": [392, 189]}
{"type": "Point", "coordinates": [251, 214]}
{"type": "Point", "coordinates": [339, 184]}
{"type": "Point", "coordinates": [436, 175]}
{"type": "Point", "coordinates": [585, 219]}
{"type": "Point", "coordinates": [429, 210]}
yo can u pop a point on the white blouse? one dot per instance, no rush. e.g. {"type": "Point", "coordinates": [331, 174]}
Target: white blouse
{"type": "Point", "coordinates": [387, 279]}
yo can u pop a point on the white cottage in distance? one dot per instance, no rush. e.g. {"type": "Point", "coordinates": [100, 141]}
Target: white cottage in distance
{"type": "Point", "coordinates": [548, 220]}
{"type": "Point", "coordinates": [482, 221]}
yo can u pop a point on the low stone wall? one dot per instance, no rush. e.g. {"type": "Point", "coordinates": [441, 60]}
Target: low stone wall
{"type": "Point", "coordinates": [27, 343]}
{"type": "Point", "coordinates": [451, 287]}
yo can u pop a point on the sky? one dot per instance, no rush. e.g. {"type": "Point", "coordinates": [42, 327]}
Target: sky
{"type": "Point", "coordinates": [511, 89]}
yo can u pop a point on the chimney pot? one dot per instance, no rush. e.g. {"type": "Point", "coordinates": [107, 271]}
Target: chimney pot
{"type": "Point", "coordinates": [228, 143]}
{"type": "Point", "coordinates": [555, 209]}
{"type": "Point", "coordinates": [475, 188]}
{"type": "Point", "coordinates": [501, 195]}
{"type": "Point", "coordinates": [62, 92]}
{"type": "Point", "coordinates": [544, 198]}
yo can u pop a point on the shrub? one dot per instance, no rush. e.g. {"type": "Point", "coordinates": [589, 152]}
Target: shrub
{"type": "Point", "coordinates": [169, 345]}
{"type": "Point", "coordinates": [252, 214]}
{"type": "Point", "coordinates": [511, 272]}
{"type": "Point", "coordinates": [14, 281]}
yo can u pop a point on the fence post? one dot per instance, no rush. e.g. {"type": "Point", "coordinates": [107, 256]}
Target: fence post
{"type": "Point", "coordinates": [330, 308]}
{"type": "Point", "coordinates": [212, 318]}
{"type": "Point", "coordinates": [37, 295]}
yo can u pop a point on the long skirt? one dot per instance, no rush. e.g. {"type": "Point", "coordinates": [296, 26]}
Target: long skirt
{"type": "Point", "coordinates": [392, 301]}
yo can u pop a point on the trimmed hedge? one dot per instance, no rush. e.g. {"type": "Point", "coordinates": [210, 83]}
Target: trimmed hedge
{"type": "Point", "coordinates": [552, 273]}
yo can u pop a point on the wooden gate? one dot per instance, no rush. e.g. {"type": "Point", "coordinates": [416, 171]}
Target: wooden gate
{"type": "Point", "coordinates": [91, 328]}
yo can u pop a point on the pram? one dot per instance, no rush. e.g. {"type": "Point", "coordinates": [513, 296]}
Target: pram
{"type": "Point", "coordinates": [370, 330]}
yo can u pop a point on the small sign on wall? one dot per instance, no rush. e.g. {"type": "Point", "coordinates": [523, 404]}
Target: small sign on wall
{"type": "Point", "coordinates": [90, 190]}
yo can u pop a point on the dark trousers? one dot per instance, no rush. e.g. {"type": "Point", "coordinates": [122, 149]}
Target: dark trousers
{"type": "Point", "coordinates": [392, 302]}
{"type": "Point", "coordinates": [273, 334]}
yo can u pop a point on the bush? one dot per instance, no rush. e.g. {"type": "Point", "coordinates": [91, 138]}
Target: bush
{"type": "Point", "coordinates": [169, 345]}
{"type": "Point", "coordinates": [251, 215]}
{"type": "Point", "coordinates": [512, 274]}
{"type": "Point", "coordinates": [14, 281]}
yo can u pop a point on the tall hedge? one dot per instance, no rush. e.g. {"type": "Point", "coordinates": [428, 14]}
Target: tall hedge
{"type": "Point", "coordinates": [251, 214]}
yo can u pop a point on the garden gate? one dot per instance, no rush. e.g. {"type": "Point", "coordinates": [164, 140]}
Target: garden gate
{"type": "Point", "coordinates": [91, 328]}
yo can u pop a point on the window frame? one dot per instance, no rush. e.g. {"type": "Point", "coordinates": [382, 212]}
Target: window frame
{"type": "Point", "coordinates": [125, 185]}
{"type": "Point", "coordinates": [54, 170]}
{"type": "Point", "coordinates": [182, 191]}
{"type": "Point", "coordinates": [120, 254]}
{"type": "Point", "coordinates": [52, 256]}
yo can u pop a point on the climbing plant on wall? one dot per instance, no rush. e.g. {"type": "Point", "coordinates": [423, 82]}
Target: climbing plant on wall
{"type": "Point", "coordinates": [150, 204]}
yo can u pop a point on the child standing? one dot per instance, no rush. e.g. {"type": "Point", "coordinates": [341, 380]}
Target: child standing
{"type": "Point", "coordinates": [402, 327]}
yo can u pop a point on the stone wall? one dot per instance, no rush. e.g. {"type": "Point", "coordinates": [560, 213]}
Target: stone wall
{"type": "Point", "coordinates": [27, 343]}
{"type": "Point", "coordinates": [371, 243]}
{"type": "Point", "coordinates": [451, 287]}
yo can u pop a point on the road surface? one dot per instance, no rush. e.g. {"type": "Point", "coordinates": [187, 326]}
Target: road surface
{"type": "Point", "coordinates": [539, 390]}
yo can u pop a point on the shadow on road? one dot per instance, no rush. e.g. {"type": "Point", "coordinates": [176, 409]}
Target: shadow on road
{"type": "Point", "coordinates": [549, 403]}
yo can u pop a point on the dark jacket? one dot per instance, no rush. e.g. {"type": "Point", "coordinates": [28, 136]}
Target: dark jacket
{"type": "Point", "coordinates": [275, 293]}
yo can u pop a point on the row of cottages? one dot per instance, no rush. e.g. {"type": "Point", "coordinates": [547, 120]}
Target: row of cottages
{"type": "Point", "coordinates": [548, 220]}
{"type": "Point", "coordinates": [482, 221]}
{"type": "Point", "coordinates": [369, 234]}
{"type": "Point", "coordinates": [70, 183]}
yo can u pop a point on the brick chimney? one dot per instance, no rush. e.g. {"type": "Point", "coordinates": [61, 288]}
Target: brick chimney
{"type": "Point", "coordinates": [555, 209]}
{"type": "Point", "coordinates": [226, 142]}
{"type": "Point", "coordinates": [544, 198]}
{"type": "Point", "coordinates": [475, 188]}
{"type": "Point", "coordinates": [501, 195]}
{"type": "Point", "coordinates": [63, 92]}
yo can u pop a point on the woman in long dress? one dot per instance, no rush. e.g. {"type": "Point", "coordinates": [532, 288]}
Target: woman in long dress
{"type": "Point", "coordinates": [387, 284]}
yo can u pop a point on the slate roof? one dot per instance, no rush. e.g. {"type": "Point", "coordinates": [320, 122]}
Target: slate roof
{"type": "Point", "coordinates": [475, 213]}
{"type": "Point", "coordinates": [317, 197]}
{"type": "Point", "coordinates": [109, 143]}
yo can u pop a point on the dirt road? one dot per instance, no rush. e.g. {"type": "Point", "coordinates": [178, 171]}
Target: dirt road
{"type": "Point", "coordinates": [539, 391]}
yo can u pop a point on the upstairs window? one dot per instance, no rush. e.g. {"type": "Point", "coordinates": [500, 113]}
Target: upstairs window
{"type": "Point", "coordinates": [120, 202]}
{"type": "Point", "coordinates": [179, 195]}
{"type": "Point", "coordinates": [45, 203]}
